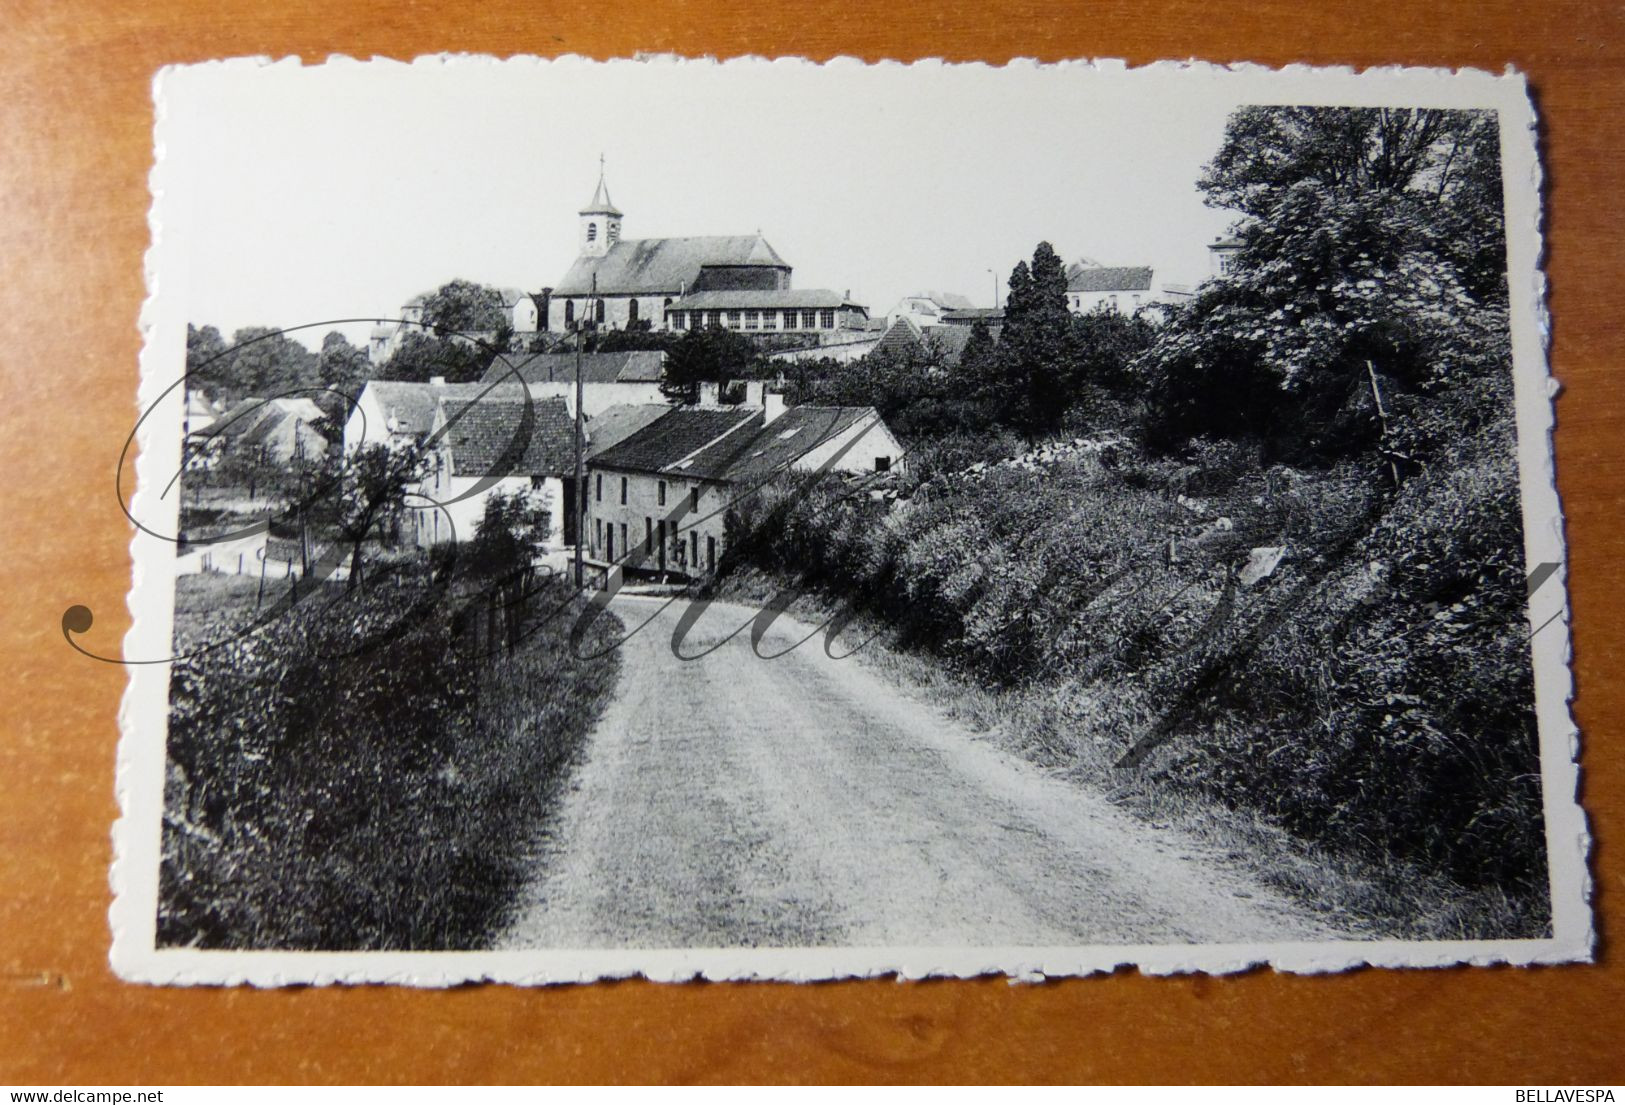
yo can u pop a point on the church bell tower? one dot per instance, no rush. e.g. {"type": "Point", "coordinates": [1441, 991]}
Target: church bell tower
{"type": "Point", "coordinates": [600, 220]}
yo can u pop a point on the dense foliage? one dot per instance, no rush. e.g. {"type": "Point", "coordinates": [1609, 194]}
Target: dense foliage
{"type": "Point", "coordinates": [361, 771]}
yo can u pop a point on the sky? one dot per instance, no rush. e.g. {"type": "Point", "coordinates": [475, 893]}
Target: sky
{"type": "Point", "coordinates": [293, 194]}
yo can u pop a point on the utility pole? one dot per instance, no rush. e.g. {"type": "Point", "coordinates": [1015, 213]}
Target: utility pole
{"type": "Point", "coordinates": [578, 496]}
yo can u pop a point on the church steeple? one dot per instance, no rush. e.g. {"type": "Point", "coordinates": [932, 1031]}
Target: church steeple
{"type": "Point", "coordinates": [600, 220]}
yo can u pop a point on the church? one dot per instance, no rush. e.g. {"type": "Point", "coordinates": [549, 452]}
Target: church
{"type": "Point", "coordinates": [666, 283]}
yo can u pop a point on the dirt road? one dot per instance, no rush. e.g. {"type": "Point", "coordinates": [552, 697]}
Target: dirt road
{"type": "Point", "coordinates": [733, 801]}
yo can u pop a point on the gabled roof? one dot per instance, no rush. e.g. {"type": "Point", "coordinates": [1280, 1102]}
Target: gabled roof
{"type": "Point", "coordinates": [676, 436]}
{"type": "Point", "coordinates": [903, 336]}
{"type": "Point", "coordinates": [650, 266]}
{"type": "Point", "coordinates": [804, 298]}
{"type": "Point", "coordinates": [486, 436]}
{"type": "Point", "coordinates": [410, 404]}
{"type": "Point", "coordinates": [1084, 278]}
{"type": "Point", "coordinates": [641, 366]}
{"type": "Point", "coordinates": [948, 301]}
{"type": "Point", "coordinates": [510, 296]}
{"type": "Point", "coordinates": [250, 414]}
{"type": "Point", "coordinates": [764, 451]}
{"type": "Point", "coordinates": [974, 314]}
{"type": "Point", "coordinates": [729, 444]}
{"type": "Point", "coordinates": [613, 425]}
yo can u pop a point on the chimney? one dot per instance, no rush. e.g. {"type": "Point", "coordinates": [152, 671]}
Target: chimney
{"type": "Point", "coordinates": [772, 405]}
{"type": "Point", "coordinates": [437, 381]}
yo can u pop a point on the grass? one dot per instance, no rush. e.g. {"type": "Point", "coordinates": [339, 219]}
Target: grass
{"type": "Point", "coordinates": [355, 774]}
{"type": "Point", "coordinates": [1055, 725]}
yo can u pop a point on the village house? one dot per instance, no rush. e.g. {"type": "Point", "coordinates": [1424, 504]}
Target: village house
{"type": "Point", "coordinates": [399, 412]}
{"type": "Point", "coordinates": [943, 344]}
{"type": "Point", "coordinates": [783, 311]}
{"type": "Point", "coordinates": [660, 496]}
{"type": "Point", "coordinates": [607, 379]}
{"type": "Point", "coordinates": [926, 308]}
{"type": "Point", "coordinates": [477, 439]}
{"type": "Point", "coordinates": [274, 430]}
{"type": "Point", "coordinates": [1092, 287]}
{"type": "Point", "coordinates": [1221, 254]}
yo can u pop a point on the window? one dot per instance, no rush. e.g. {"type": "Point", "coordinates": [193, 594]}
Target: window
{"type": "Point", "coordinates": [668, 303]}
{"type": "Point", "coordinates": [598, 310]}
{"type": "Point", "coordinates": [592, 232]}
{"type": "Point", "coordinates": [612, 231]}
{"type": "Point", "coordinates": [661, 492]}
{"type": "Point", "coordinates": [631, 311]}
{"type": "Point", "coordinates": [883, 464]}
{"type": "Point", "coordinates": [694, 543]}
{"type": "Point", "coordinates": [569, 312]}
{"type": "Point", "coordinates": [751, 320]}
{"type": "Point", "coordinates": [648, 535]}
{"type": "Point", "coordinates": [716, 318]}
{"type": "Point", "coordinates": [733, 320]}
{"type": "Point", "coordinates": [809, 320]}
{"type": "Point", "coordinates": [598, 494]}
{"type": "Point", "coordinates": [770, 320]}
{"type": "Point", "coordinates": [597, 533]}
{"type": "Point", "coordinates": [711, 554]}
{"type": "Point", "coordinates": [694, 504]}
{"type": "Point", "coordinates": [826, 319]}
{"type": "Point", "coordinates": [623, 490]}
{"type": "Point", "coordinates": [676, 320]}
{"type": "Point", "coordinates": [789, 320]}
{"type": "Point", "coordinates": [624, 547]}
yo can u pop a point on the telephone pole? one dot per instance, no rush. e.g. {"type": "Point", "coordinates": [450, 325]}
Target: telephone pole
{"type": "Point", "coordinates": [578, 497]}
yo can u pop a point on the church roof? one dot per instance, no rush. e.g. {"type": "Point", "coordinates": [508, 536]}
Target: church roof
{"type": "Point", "coordinates": [600, 203]}
{"type": "Point", "coordinates": [1084, 278]}
{"type": "Point", "coordinates": [650, 266]}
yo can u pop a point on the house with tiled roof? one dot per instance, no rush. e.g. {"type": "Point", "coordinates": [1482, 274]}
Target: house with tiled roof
{"type": "Point", "coordinates": [479, 446]}
{"type": "Point", "coordinates": [607, 379]}
{"type": "Point", "coordinates": [400, 412]}
{"type": "Point", "coordinates": [657, 500]}
{"type": "Point", "coordinates": [274, 430]}
{"type": "Point", "coordinates": [1092, 287]}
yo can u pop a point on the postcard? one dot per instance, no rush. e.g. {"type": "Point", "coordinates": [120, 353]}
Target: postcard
{"type": "Point", "coordinates": [759, 519]}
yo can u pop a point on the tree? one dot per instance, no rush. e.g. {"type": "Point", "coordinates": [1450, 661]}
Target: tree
{"type": "Point", "coordinates": [1347, 298]}
{"type": "Point", "coordinates": [343, 369]}
{"type": "Point", "coordinates": [206, 365]}
{"type": "Point", "coordinates": [463, 306]}
{"type": "Point", "coordinates": [1025, 384]}
{"type": "Point", "coordinates": [510, 538]}
{"type": "Point", "coordinates": [421, 357]}
{"type": "Point", "coordinates": [706, 355]}
{"type": "Point", "coordinates": [372, 483]}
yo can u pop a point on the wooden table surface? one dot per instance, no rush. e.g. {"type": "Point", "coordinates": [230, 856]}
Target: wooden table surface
{"type": "Point", "coordinates": [76, 124]}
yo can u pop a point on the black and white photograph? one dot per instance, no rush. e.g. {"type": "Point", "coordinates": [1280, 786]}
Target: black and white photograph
{"type": "Point", "coordinates": [766, 519]}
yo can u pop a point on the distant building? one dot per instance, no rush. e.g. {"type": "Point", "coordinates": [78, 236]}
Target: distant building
{"type": "Point", "coordinates": [607, 379]}
{"type": "Point", "coordinates": [399, 412]}
{"type": "Point", "coordinates": [277, 430]}
{"type": "Point", "coordinates": [944, 343]}
{"type": "Point", "coordinates": [1123, 289]}
{"type": "Point", "coordinates": [1222, 254]}
{"type": "Point", "coordinates": [521, 311]}
{"type": "Point", "coordinates": [926, 308]}
{"type": "Point", "coordinates": [662, 493]}
{"type": "Point", "coordinates": [970, 316]}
